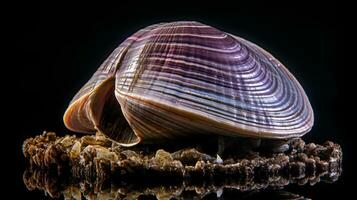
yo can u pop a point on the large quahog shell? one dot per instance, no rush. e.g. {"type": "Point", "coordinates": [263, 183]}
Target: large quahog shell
{"type": "Point", "coordinates": [180, 79]}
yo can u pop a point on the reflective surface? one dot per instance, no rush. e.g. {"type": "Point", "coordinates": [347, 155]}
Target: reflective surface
{"type": "Point", "coordinates": [57, 185]}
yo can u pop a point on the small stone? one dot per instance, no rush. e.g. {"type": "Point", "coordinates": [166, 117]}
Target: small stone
{"type": "Point", "coordinates": [191, 156]}
{"type": "Point", "coordinates": [67, 141]}
{"type": "Point", "coordinates": [200, 165]}
{"type": "Point", "coordinates": [162, 157]}
{"type": "Point", "coordinates": [310, 166]}
{"type": "Point", "coordinates": [322, 166]}
{"type": "Point", "coordinates": [328, 144]}
{"type": "Point", "coordinates": [297, 169]}
{"type": "Point", "coordinates": [297, 144]}
{"type": "Point", "coordinates": [309, 148]}
{"type": "Point", "coordinates": [302, 157]}
{"type": "Point", "coordinates": [76, 150]}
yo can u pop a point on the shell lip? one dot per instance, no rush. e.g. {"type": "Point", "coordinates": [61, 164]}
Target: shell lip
{"type": "Point", "coordinates": [139, 139]}
{"type": "Point", "coordinates": [92, 114]}
{"type": "Point", "coordinates": [67, 117]}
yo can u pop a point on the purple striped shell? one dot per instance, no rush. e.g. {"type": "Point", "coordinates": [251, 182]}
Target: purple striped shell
{"type": "Point", "coordinates": [180, 79]}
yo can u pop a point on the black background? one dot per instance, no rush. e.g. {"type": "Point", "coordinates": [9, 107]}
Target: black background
{"type": "Point", "coordinates": [58, 48]}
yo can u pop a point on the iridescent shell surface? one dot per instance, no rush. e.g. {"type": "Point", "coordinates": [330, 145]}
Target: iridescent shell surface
{"type": "Point", "coordinates": [179, 79]}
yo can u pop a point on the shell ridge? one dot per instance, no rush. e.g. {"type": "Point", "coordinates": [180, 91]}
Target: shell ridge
{"type": "Point", "coordinates": [181, 78]}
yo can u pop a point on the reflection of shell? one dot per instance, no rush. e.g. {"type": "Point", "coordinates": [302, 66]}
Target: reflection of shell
{"type": "Point", "coordinates": [183, 78]}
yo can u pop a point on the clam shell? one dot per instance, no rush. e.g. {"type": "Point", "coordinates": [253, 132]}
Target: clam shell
{"type": "Point", "coordinates": [185, 78]}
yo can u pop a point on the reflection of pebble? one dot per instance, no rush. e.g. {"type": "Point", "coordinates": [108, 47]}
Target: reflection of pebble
{"type": "Point", "coordinates": [96, 157]}
{"type": "Point", "coordinates": [56, 185]}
